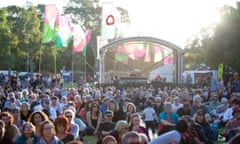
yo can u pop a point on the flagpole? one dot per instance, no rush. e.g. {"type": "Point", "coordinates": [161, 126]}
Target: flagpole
{"type": "Point", "coordinates": [85, 69]}
{"type": "Point", "coordinates": [55, 63]}
{"type": "Point", "coordinates": [40, 58]}
{"type": "Point", "coordinates": [72, 66]}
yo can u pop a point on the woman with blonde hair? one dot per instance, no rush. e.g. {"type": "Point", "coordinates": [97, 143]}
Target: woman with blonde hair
{"type": "Point", "coordinates": [120, 129]}
{"type": "Point", "coordinates": [114, 107]}
{"type": "Point", "coordinates": [134, 123]}
{"type": "Point", "coordinates": [130, 109]}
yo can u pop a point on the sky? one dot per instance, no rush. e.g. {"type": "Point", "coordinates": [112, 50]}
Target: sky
{"type": "Point", "coordinates": [171, 20]}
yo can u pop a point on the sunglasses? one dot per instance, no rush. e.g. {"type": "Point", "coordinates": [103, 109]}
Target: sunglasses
{"type": "Point", "coordinates": [134, 143]}
{"type": "Point", "coordinates": [109, 116]}
{"type": "Point", "coordinates": [69, 116]}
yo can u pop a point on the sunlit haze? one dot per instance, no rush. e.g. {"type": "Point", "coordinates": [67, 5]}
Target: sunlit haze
{"type": "Point", "coordinates": [171, 20]}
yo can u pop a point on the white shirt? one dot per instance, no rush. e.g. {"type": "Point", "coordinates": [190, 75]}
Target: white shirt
{"type": "Point", "coordinates": [176, 107]}
{"type": "Point", "coordinates": [227, 115]}
{"type": "Point", "coordinates": [149, 114]}
{"type": "Point", "coordinates": [167, 138]}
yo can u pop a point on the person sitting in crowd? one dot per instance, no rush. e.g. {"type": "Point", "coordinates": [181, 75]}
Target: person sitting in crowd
{"type": "Point", "coordinates": [197, 104]}
{"type": "Point", "coordinates": [131, 137]}
{"type": "Point", "coordinates": [134, 123]}
{"type": "Point", "coordinates": [114, 107]}
{"type": "Point", "coordinates": [56, 105]}
{"type": "Point", "coordinates": [214, 103]}
{"type": "Point", "coordinates": [176, 104]}
{"type": "Point", "coordinates": [61, 125]}
{"type": "Point", "coordinates": [28, 135]}
{"type": "Point", "coordinates": [203, 128]}
{"type": "Point", "coordinates": [3, 139]}
{"type": "Point", "coordinates": [36, 118]}
{"type": "Point", "coordinates": [93, 117]}
{"type": "Point", "coordinates": [233, 126]}
{"type": "Point", "coordinates": [16, 118]}
{"type": "Point", "coordinates": [227, 115]}
{"type": "Point", "coordinates": [130, 109]}
{"type": "Point", "coordinates": [104, 105]}
{"type": "Point", "coordinates": [12, 131]}
{"type": "Point", "coordinates": [49, 110]}
{"type": "Point", "coordinates": [47, 133]}
{"type": "Point", "coordinates": [167, 119]}
{"type": "Point", "coordinates": [173, 136]}
{"type": "Point", "coordinates": [73, 128]}
{"type": "Point", "coordinates": [185, 110]}
{"type": "Point", "coordinates": [120, 129]}
{"type": "Point", "coordinates": [25, 111]}
{"type": "Point", "coordinates": [106, 127]}
{"type": "Point", "coordinates": [190, 136]}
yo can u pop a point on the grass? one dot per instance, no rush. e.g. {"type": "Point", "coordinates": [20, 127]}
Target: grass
{"type": "Point", "coordinates": [89, 139]}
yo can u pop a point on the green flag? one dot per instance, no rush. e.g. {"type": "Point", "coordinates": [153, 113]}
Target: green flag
{"type": "Point", "coordinates": [49, 29]}
{"type": "Point", "coordinates": [220, 71]}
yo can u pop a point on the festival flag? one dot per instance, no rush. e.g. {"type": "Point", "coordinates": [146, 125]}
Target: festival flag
{"type": "Point", "coordinates": [100, 43]}
{"type": "Point", "coordinates": [64, 31]}
{"type": "Point", "coordinates": [109, 20]}
{"type": "Point", "coordinates": [220, 71]}
{"type": "Point", "coordinates": [49, 26]}
{"type": "Point", "coordinates": [158, 54]}
{"type": "Point", "coordinates": [139, 51]}
{"type": "Point", "coordinates": [79, 39]}
{"type": "Point", "coordinates": [147, 56]}
{"type": "Point", "coordinates": [88, 38]}
{"type": "Point", "coordinates": [168, 59]}
{"type": "Point", "coordinates": [121, 58]}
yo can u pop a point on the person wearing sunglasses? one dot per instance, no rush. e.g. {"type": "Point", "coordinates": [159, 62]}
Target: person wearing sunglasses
{"type": "Point", "coordinates": [73, 127]}
{"type": "Point", "coordinates": [106, 127]}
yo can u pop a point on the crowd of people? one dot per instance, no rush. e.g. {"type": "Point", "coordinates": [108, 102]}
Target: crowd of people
{"type": "Point", "coordinates": [49, 113]}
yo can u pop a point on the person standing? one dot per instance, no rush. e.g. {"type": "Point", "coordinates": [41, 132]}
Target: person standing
{"type": "Point", "coordinates": [214, 85]}
{"type": "Point", "coordinates": [149, 115]}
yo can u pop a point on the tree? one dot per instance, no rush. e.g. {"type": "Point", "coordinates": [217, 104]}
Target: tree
{"type": "Point", "coordinates": [24, 27]}
{"type": "Point", "coordinates": [7, 42]}
{"type": "Point", "coordinates": [218, 43]}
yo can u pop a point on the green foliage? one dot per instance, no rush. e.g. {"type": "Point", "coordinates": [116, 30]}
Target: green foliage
{"type": "Point", "coordinates": [20, 36]}
{"type": "Point", "coordinates": [217, 43]}
{"type": "Point", "coordinates": [21, 33]}
{"type": "Point", "coordinates": [7, 41]}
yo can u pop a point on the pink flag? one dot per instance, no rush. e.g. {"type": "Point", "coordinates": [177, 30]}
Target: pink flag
{"type": "Point", "coordinates": [168, 60]}
{"type": "Point", "coordinates": [139, 51]}
{"type": "Point", "coordinates": [79, 39]}
{"type": "Point", "coordinates": [88, 36]}
{"type": "Point", "coordinates": [64, 32]}
{"type": "Point", "coordinates": [147, 56]}
{"type": "Point", "coordinates": [49, 28]}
